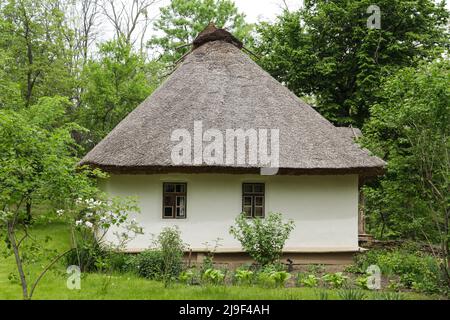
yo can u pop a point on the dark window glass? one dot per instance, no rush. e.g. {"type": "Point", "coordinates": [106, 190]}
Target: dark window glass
{"type": "Point", "coordinates": [174, 203]}
{"type": "Point", "coordinates": [253, 199]}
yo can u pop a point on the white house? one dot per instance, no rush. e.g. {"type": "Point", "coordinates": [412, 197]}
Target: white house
{"type": "Point", "coordinates": [217, 88]}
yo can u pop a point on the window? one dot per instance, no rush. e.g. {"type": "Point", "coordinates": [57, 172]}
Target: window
{"type": "Point", "coordinates": [253, 200]}
{"type": "Point", "coordinates": [174, 200]}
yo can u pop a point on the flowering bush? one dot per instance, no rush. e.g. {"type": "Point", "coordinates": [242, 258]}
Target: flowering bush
{"type": "Point", "coordinates": [91, 220]}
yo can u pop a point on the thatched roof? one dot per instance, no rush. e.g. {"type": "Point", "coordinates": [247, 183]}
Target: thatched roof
{"type": "Point", "coordinates": [220, 85]}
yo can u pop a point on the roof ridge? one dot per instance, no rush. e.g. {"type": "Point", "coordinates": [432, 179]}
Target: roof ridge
{"type": "Point", "coordinates": [212, 33]}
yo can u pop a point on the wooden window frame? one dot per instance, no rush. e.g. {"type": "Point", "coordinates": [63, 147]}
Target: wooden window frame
{"type": "Point", "coordinates": [253, 195]}
{"type": "Point", "coordinates": [174, 195]}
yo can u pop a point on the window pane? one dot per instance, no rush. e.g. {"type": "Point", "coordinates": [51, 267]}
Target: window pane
{"type": "Point", "coordinates": [258, 188]}
{"type": "Point", "coordinates": [169, 187]}
{"type": "Point", "coordinates": [168, 212]}
{"type": "Point", "coordinates": [180, 212]}
{"type": "Point", "coordinates": [259, 212]}
{"type": "Point", "coordinates": [248, 211]}
{"type": "Point", "coordinates": [180, 201]}
{"type": "Point", "coordinates": [248, 201]}
{"type": "Point", "coordinates": [179, 188]}
{"type": "Point", "coordinates": [259, 201]}
{"type": "Point", "coordinates": [248, 188]}
{"type": "Point", "coordinates": [168, 201]}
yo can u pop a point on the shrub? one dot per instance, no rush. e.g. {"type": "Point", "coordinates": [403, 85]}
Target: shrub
{"type": "Point", "coordinates": [119, 262]}
{"type": "Point", "coordinates": [335, 280]}
{"type": "Point", "coordinates": [148, 264]}
{"type": "Point", "coordinates": [352, 295]}
{"type": "Point", "coordinates": [262, 239]}
{"type": "Point", "coordinates": [310, 281]}
{"type": "Point", "coordinates": [172, 249]}
{"type": "Point", "coordinates": [85, 256]}
{"type": "Point", "coordinates": [416, 270]}
{"type": "Point", "coordinates": [213, 276]}
{"type": "Point", "coordinates": [244, 277]}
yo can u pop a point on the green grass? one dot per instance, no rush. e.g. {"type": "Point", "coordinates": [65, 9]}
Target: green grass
{"type": "Point", "coordinates": [129, 286]}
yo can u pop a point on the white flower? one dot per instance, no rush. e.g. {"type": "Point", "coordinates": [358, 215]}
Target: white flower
{"type": "Point", "coordinates": [60, 212]}
{"type": "Point", "coordinates": [88, 224]}
{"type": "Point", "coordinates": [89, 214]}
{"type": "Point", "coordinates": [78, 222]}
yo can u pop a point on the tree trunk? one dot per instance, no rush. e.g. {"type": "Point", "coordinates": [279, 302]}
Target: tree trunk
{"type": "Point", "coordinates": [23, 280]}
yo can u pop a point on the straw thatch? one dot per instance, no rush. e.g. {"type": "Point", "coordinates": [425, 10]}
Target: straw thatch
{"type": "Point", "coordinates": [220, 85]}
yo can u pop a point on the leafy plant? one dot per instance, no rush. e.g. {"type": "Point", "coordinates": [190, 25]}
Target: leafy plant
{"type": "Point", "coordinates": [262, 239]}
{"type": "Point", "coordinates": [244, 277]}
{"type": "Point", "coordinates": [310, 281]}
{"type": "Point", "coordinates": [186, 277]}
{"type": "Point", "coordinates": [213, 276]}
{"type": "Point", "coordinates": [335, 280]}
{"type": "Point", "coordinates": [361, 282]}
{"type": "Point", "coordinates": [273, 278]}
{"type": "Point", "coordinates": [280, 278]}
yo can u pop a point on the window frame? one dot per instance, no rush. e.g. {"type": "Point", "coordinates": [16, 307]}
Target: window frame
{"type": "Point", "coordinates": [174, 195]}
{"type": "Point", "coordinates": [253, 195]}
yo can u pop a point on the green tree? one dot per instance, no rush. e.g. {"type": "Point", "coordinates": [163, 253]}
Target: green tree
{"type": "Point", "coordinates": [33, 39]}
{"type": "Point", "coordinates": [326, 50]}
{"type": "Point", "coordinates": [37, 165]}
{"type": "Point", "coordinates": [181, 21]}
{"type": "Point", "coordinates": [10, 94]}
{"type": "Point", "coordinates": [410, 128]}
{"type": "Point", "coordinates": [114, 84]}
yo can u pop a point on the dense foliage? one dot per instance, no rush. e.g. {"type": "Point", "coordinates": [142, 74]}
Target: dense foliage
{"type": "Point", "coordinates": [410, 128]}
{"type": "Point", "coordinates": [414, 269]}
{"type": "Point", "coordinates": [327, 50]}
{"type": "Point", "coordinates": [113, 85]}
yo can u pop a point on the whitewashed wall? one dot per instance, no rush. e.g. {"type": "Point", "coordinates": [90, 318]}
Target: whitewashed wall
{"type": "Point", "coordinates": [324, 208]}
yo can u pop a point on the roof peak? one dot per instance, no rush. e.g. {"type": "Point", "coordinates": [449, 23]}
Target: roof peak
{"type": "Point", "coordinates": [212, 33]}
